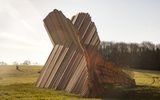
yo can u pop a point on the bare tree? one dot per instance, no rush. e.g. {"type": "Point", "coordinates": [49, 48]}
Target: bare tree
{"type": "Point", "coordinates": [15, 63]}
{"type": "Point", "coordinates": [26, 62]}
{"type": "Point", "coordinates": [3, 63]}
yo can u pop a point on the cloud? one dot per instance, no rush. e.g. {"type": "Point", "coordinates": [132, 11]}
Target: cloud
{"type": "Point", "coordinates": [22, 35]}
{"type": "Point", "coordinates": [6, 21]}
{"type": "Point", "coordinates": [22, 32]}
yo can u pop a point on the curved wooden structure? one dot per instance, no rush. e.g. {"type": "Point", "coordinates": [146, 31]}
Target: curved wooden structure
{"type": "Point", "coordinates": [74, 65]}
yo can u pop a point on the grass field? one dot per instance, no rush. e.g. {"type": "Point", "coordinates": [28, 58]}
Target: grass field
{"type": "Point", "coordinates": [19, 85]}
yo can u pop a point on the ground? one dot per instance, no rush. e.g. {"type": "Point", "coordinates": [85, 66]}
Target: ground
{"type": "Point", "coordinates": [20, 85]}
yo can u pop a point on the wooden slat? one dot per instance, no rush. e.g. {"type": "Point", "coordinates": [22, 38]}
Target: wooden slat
{"type": "Point", "coordinates": [70, 71]}
{"type": "Point", "coordinates": [76, 75]}
{"type": "Point", "coordinates": [62, 67]}
{"type": "Point", "coordinates": [51, 66]}
{"type": "Point", "coordinates": [43, 71]}
{"type": "Point", "coordinates": [56, 62]}
{"type": "Point", "coordinates": [46, 67]}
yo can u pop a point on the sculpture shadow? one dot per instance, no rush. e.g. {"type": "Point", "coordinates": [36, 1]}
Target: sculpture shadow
{"type": "Point", "coordinates": [136, 93]}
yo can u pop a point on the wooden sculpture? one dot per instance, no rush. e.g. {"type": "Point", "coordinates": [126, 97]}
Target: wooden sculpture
{"type": "Point", "coordinates": [74, 65]}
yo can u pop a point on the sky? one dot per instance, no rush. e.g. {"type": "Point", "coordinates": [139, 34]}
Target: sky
{"type": "Point", "coordinates": [23, 36]}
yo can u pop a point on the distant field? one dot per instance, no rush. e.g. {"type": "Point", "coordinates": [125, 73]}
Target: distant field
{"type": "Point", "coordinates": [9, 74]}
{"type": "Point", "coordinates": [145, 77]}
{"type": "Point", "coordinates": [19, 85]}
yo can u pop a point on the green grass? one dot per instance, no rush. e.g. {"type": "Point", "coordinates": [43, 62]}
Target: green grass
{"type": "Point", "coordinates": [20, 85]}
{"type": "Point", "coordinates": [9, 74]}
{"type": "Point", "coordinates": [29, 92]}
{"type": "Point", "coordinates": [146, 77]}
{"type": "Point", "coordinates": [137, 93]}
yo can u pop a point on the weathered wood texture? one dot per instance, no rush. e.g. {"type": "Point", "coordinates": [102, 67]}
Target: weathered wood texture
{"type": "Point", "coordinates": [74, 65]}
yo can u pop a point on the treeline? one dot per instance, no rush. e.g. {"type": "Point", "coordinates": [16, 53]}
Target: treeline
{"type": "Point", "coordinates": [145, 55]}
{"type": "Point", "coordinates": [26, 62]}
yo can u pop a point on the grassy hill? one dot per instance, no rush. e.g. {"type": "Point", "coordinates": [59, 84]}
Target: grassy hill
{"type": "Point", "coordinates": [19, 85]}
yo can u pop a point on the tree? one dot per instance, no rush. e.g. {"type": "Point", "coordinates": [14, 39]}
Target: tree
{"type": "Point", "coordinates": [3, 63]}
{"type": "Point", "coordinates": [26, 62]}
{"type": "Point", "coordinates": [145, 55]}
{"type": "Point", "coordinates": [15, 63]}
